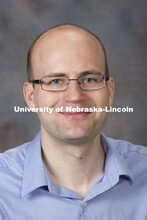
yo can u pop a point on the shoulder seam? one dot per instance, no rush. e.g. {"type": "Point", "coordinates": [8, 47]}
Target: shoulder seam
{"type": "Point", "coordinates": [8, 165]}
{"type": "Point", "coordinates": [132, 151]}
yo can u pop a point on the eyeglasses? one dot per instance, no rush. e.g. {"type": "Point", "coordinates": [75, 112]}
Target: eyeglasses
{"type": "Point", "coordinates": [87, 82]}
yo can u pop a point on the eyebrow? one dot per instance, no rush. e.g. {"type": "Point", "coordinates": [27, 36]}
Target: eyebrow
{"type": "Point", "coordinates": [83, 73]}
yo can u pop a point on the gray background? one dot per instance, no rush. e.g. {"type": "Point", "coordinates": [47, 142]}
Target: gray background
{"type": "Point", "coordinates": [120, 24]}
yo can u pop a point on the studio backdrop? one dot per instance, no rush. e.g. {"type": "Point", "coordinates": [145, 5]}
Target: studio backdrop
{"type": "Point", "coordinates": [121, 27]}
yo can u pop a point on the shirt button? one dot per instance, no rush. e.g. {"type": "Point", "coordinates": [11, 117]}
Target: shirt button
{"type": "Point", "coordinates": [85, 204]}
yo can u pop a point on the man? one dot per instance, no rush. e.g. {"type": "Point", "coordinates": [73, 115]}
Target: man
{"type": "Point", "coordinates": [71, 170]}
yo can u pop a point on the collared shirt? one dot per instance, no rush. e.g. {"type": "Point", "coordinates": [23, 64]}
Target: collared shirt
{"type": "Point", "coordinates": [27, 191]}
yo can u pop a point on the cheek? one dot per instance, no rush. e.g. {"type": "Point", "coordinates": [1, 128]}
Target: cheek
{"type": "Point", "coordinates": [100, 98]}
{"type": "Point", "coordinates": [45, 99]}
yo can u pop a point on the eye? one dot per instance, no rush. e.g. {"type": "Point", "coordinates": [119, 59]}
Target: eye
{"type": "Point", "coordinates": [89, 80]}
{"type": "Point", "coordinates": [56, 81]}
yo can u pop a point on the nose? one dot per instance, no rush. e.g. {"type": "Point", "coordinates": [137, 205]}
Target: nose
{"type": "Point", "coordinates": [73, 92]}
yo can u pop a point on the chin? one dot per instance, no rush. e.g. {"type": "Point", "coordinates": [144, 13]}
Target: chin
{"type": "Point", "coordinates": [78, 136]}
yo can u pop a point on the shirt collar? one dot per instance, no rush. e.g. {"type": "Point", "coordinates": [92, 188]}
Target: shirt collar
{"type": "Point", "coordinates": [34, 174]}
{"type": "Point", "coordinates": [115, 164]}
{"type": "Point", "coordinates": [34, 171]}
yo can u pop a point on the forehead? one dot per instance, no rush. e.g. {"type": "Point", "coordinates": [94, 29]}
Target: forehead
{"type": "Point", "coordinates": [64, 44]}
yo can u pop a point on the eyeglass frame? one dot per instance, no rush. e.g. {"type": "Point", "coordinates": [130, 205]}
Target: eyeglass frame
{"type": "Point", "coordinates": [39, 81]}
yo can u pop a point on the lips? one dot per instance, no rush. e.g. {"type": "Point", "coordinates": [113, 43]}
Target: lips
{"type": "Point", "coordinates": [74, 115]}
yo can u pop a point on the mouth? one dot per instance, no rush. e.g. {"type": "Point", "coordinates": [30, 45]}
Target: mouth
{"type": "Point", "coordinates": [75, 115]}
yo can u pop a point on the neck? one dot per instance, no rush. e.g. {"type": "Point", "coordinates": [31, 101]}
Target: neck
{"type": "Point", "coordinates": [75, 166]}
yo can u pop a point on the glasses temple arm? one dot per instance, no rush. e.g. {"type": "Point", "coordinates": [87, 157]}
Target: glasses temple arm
{"type": "Point", "coordinates": [38, 81]}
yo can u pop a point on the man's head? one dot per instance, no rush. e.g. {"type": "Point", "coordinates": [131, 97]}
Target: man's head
{"type": "Point", "coordinates": [60, 27]}
{"type": "Point", "coordinates": [68, 50]}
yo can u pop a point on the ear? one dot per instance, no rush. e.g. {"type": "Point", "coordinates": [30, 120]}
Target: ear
{"type": "Point", "coordinates": [111, 90]}
{"type": "Point", "coordinates": [28, 92]}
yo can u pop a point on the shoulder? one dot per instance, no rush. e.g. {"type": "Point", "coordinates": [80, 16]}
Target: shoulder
{"type": "Point", "coordinates": [134, 156]}
{"type": "Point", "coordinates": [13, 156]}
{"type": "Point", "coordinates": [127, 148]}
{"type": "Point", "coordinates": [11, 171]}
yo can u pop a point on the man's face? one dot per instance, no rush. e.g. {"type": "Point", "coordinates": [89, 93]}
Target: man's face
{"type": "Point", "coordinates": [70, 52]}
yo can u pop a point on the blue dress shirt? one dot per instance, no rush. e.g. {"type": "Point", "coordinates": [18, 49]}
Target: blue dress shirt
{"type": "Point", "coordinates": [27, 191]}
